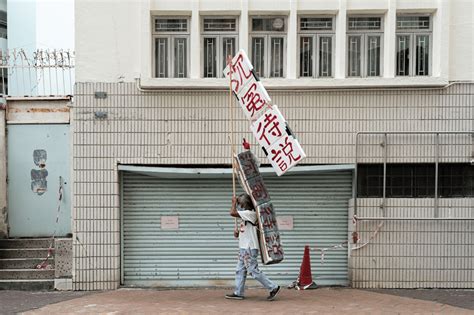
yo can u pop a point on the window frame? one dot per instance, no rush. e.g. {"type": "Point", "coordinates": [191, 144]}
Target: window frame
{"type": "Point", "coordinates": [364, 38]}
{"type": "Point", "coordinates": [219, 36]}
{"type": "Point", "coordinates": [268, 36]}
{"type": "Point", "coordinates": [171, 36]}
{"type": "Point", "coordinates": [315, 39]}
{"type": "Point", "coordinates": [412, 34]}
{"type": "Point", "coordinates": [455, 180]}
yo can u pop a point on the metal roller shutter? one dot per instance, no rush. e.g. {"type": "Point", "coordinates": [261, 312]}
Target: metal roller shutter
{"type": "Point", "coordinates": [203, 252]}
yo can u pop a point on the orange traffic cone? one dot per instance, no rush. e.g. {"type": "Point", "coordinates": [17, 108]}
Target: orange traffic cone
{"type": "Point", "coordinates": [305, 279]}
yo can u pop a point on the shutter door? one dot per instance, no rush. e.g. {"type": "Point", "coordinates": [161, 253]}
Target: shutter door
{"type": "Point", "coordinates": [203, 252]}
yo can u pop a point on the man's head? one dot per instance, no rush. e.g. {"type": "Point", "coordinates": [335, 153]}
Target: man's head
{"type": "Point", "coordinates": [245, 202]}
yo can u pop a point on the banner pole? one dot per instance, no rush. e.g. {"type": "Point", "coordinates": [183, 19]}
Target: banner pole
{"type": "Point", "coordinates": [232, 144]}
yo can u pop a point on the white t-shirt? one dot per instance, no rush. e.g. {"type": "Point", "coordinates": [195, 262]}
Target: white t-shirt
{"type": "Point", "coordinates": [248, 232]}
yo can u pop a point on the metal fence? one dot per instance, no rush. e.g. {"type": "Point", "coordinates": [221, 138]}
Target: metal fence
{"type": "Point", "coordinates": [411, 147]}
{"type": "Point", "coordinates": [418, 242]}
{"type": "Point", "coordinates": [42, 73]}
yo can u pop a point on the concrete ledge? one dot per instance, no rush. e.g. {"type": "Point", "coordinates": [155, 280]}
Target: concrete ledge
{"type": "Point", "coordinates": [63, 284]}
{"type": "Point", "coordinates": [63, 258]}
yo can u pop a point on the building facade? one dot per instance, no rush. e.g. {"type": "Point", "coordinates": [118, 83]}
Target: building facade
{"type": "Point", "coordinates": [379, 94]}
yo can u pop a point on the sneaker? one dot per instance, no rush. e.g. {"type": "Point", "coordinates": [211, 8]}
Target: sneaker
{"type": "Point", "coordinates": [234, 296]}
{"type": "Point", "coordinates": [273, 293]}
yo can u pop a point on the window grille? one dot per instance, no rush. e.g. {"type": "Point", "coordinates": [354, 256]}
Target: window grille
{"type": "Point", "coordinates": [171, 51]}
{"type": "Point", "coordinates": [413, 22]}
{"type": "Point", "coordinates": [364, 23]}
{"type": "Point", "coordinates": [416, 180]}
{"type": "Point", "coordinates": [364, 46]}
{"type": "Point", "coordinates": [171, 25]}
{"type": "Point", "coordinates": [316, 24]}
{"type": "Point", "coordinates": [219, 40]}
{"type": "Point", "coordinates": [316, 46]}
{"type": "Point", "coordinates": [413, 45]}
{"type": "Point", "coordinates": [268, 46]}
{"type": "Point", "coordinates": [220, 25]}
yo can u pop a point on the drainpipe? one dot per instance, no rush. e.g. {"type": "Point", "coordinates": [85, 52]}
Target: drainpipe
{"type": "Point", "coordinates": [3, 171]}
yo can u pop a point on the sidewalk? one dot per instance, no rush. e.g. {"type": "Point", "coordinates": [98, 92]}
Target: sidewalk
{"type": "Point", "coordinates": [211, 301]}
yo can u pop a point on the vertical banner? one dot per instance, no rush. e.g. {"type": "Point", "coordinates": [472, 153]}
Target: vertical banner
{"type": "Point", "coordinates": [266, 121]}
{"type": "Point", "coordinates": [268, 235]}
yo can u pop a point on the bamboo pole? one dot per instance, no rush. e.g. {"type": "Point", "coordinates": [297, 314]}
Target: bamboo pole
{"type": "Point", "coordinates": [232, 144]}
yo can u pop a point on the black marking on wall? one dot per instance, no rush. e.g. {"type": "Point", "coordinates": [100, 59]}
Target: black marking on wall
{"type": "Point", "coordinates": [39, 184]}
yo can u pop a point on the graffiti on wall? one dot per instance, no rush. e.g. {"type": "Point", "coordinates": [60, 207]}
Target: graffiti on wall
{"type": "Point", "coordinates": [39, 184]}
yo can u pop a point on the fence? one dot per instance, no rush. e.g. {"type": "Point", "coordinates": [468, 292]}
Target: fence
{"type": "Point", "coordinates": [425, 240]}
{"type": "Point", "coordinates": [40, 73]}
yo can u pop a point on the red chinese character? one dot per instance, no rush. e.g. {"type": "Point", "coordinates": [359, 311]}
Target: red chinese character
{"type": "Point", "coordinates": [280, 161]}
{"type": "Point", "coordinates": [265, 210]}
{"type": "Point", "coordinates": [259, 192]}
{"type": "Point", "coordinates": [239, 74]}
{"type": "Point", "coordinates": [253, 100]}
{"type": "Point", "coordinates": [274, 130]}
{"type": "Point", "coordinates": [268, 223]}
{"type": "Point", "coordinates": [288, 150]}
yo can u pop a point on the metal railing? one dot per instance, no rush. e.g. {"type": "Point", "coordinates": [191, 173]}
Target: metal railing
{"type": "Point", "coordinates": [468, 155]}
{"type": "Point", "coordinates": [42, 73]}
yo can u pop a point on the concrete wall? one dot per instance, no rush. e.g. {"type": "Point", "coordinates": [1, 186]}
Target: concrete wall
{"type": "Point", "coordinates": [3, 177]}
{"type": "Point", "coordinates": [114, 43]}
{"type": "Point", "coordinates": [191, 128]}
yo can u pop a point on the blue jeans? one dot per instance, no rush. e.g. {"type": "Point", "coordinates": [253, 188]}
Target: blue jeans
{"type": "Point", "coordinates": [248, 262]}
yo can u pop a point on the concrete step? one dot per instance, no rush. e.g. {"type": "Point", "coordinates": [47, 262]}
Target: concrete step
{"type": "Point", "coordinates": [25, 243]}
{"type": "Point", "coordinates": [27, 285]}
{"type": "Point", "coordinates": [26, 274]}
{"type": "Point", "coordinates": [23, 263]}
{"type": "Point", "coordinates": [23, 253]}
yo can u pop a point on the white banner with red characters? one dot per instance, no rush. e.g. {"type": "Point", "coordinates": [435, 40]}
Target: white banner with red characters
{"type": "Point", "coordinates": [242, 71]}
{"type": "Point", "coordinates": [253, 99]}
{"type": "Point", "coordinates": [285, 153]}
{"type": "Point", "coordinates": [267, 123]}
{"type": "Point", "coordinates": [270, 127]}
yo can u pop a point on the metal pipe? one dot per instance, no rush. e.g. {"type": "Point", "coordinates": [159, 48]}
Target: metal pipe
{"type": "Point", "coordinates": [411, 219]}
{"type": "Point", "coordinates": [413, 132]}
{"type": "Point", "coordinates": [436, 209]}
{"type": "Point", "coordinates": [221, 85]}
{"type": "Point", "coordinates": [355, 182]}
{"type": "Point", "coordinates": [384, 173]}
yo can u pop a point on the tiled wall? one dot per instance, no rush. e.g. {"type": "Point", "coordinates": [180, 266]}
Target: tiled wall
{"type": "Point", "coordinates": [191, 127]}
{"type": "Point", "coordinates": [423, 252]}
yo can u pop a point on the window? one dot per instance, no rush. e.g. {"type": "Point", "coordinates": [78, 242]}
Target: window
{"type": "Point", "coordinates": [170, 47]}
{"type": "Point", "coordinates": [219, 40]}
{"type": "Point", "coordinates": [3, 24]}
{"type": "Point", "coordinates": [413, 45]}
{"type": "Point", "coordinates": [416, 180]}
{"type": "Point", "coordinates": [316, 38]}
{"type": "Point", "coordinates": [268, 37]}
{"type": "Point", "coordinates": [364, 46]}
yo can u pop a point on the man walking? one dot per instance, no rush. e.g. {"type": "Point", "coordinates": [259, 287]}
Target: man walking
{"type": "Point", "coordinates": [242, 207]}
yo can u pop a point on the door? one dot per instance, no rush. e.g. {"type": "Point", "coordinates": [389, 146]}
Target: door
{"type": "Point", "coordinates": [178, 232]}
{"type": "Point", "coordinates": [38, 158]}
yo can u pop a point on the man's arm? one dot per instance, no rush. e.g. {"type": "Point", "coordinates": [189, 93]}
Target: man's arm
{"type": "Point", "coordinates": [233, 210]}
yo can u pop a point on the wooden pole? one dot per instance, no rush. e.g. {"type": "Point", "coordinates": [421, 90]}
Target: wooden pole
{"type": "Point", "coordinates": [232, 144]}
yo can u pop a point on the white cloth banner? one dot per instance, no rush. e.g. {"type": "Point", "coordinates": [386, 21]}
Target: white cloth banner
{"type": "Point", "coordinates": [267, 123]}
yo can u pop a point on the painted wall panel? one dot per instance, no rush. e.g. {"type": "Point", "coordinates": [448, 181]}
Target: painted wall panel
{"type": "Point", "coordinates": [37, 156]}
